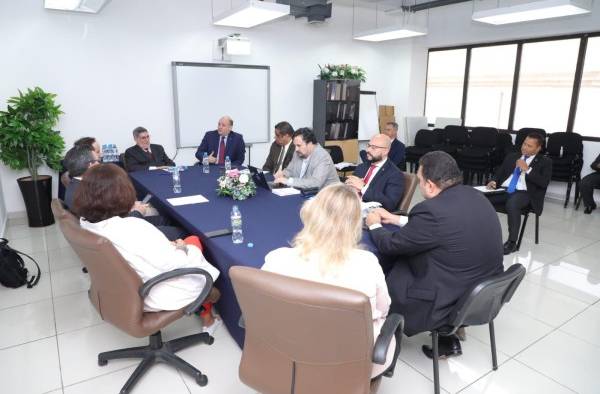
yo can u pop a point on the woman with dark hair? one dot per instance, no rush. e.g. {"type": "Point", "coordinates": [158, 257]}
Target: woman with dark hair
{"type": "Point", "coordinates": [103, 200]}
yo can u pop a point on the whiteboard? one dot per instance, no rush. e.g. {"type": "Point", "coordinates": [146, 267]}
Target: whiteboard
{"type": "Point", "coordinates": [368, 120]}
{"type": "Point", "coordinates": [204, 92]}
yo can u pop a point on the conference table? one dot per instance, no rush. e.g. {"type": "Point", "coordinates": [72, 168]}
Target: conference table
{"type": "Point", "coordinates": [269, 222]}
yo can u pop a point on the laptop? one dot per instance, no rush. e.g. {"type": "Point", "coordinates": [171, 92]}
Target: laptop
{"type": "Point", "coordinates": [258, 176]}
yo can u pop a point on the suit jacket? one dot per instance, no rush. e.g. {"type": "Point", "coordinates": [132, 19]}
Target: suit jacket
{"type": "Point", "coordinates": [235, 147]}
{"type": "Point", "coordinates": [136, 159]}
{"type": "Point", "coordinates": [273, 156]}
{"type": "Point", "coordinates": [537, 180]}
{"type": "Point", "coordinates": [70, 192]}
{"type": "Point", "coordinates": [396, 154]}
{"type": "Point", "coordinates": [450, 242]}
{"type": "Point", "coordinates": [319, 173]}
{"type": "Point", "coordinates": [387, 187]}
{"type": "Point", "coordinates": [596, 164]}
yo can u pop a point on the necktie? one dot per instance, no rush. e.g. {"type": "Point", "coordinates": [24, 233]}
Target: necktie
{"type": "Point", "coordinates": [279, 160]}
{"type": "Point", "coordinates": [512, 186]}
{"type": "Point", "coordinates": [367, 177]}
{"type": "Point", "coordinates": [149, 154]}
{"type": "Point", "coordinates": [221, 151]}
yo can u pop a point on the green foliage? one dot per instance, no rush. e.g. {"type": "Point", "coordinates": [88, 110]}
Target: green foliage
{"type": "Point", "coordinates": [341, 71]}
{"type": "Point", "coordinates": [27, 138]}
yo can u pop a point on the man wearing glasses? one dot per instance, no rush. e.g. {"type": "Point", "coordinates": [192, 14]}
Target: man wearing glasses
{"type": "Point", "coordinates": [144, 155]}
{"type": "Point", "coordinates": [378, 179]}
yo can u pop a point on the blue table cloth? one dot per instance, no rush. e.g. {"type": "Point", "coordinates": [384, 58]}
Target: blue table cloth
{"type": "Point", "coordinates": [269, 222]}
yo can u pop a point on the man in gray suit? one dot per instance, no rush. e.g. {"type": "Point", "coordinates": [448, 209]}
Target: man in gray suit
{"type": "Point", "coordinates": [311, 166]}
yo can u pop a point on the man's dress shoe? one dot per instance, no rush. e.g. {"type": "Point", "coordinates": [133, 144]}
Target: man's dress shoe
{"type": "Point", "coordinates": [588, 210]}
{"type": "Point", "coordinates": [447, 347]}
{"type": "Point", "coordinates": [509, 247]}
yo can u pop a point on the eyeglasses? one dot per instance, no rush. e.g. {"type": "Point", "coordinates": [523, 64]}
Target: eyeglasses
{"type": "Point", "coordinates": [375, 146]}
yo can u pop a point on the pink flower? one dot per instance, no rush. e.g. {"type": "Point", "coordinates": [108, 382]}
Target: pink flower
{"type": "Point", "coordinates": [233, 173]}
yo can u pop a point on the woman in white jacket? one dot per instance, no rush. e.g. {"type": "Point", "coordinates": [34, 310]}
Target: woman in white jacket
{"type": "Point", "coordinates": [103, 200]}
{"type": "Point", "coordinates": [326, 251]}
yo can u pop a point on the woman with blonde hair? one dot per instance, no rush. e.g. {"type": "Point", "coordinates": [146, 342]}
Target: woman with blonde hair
{"type": "Point", "coordinates": [327, 250]}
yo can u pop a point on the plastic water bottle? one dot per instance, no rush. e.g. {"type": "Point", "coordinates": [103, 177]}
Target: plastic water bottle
{"type": "Point", "coordinates": [176, 181]}
{"type": "Point", "coordinates": [115, 152]}
{"type": "Point", "coordinates": [237, 236]}
{"type": "Point", "coordinates": [227, 163]}
{"type": "Point", "coordinates": [205, 164]}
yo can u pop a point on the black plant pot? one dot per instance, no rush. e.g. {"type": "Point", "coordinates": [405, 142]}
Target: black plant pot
{"type": "Point", "coordinates": [37, 196]}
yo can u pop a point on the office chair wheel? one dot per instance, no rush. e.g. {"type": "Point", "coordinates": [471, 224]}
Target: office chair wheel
{"type": "Point", "coordinates": [102, 362]}
{"type": "Point", "coordinates": [202, 380]}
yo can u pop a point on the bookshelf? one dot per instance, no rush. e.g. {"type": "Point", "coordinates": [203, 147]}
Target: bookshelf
{"type": "Point", "coordinates": [336, 109]}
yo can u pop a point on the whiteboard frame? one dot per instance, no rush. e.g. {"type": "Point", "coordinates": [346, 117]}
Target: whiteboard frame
{"type": "Point", "coordinates": [175, 64]}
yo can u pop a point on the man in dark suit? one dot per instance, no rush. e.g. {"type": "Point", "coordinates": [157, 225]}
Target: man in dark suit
{"type": "Point", "coordinates": [396, 155]}
{"type": "Point", "coordinates": [144, 155]}
{"type": "Point", "coordinates": [77, 160]}
{"type": "Point", "coordinates": [588, 184]}
{"type": "Point", "coordinates": [282, 149]}
{"type": "Point", "coordinates": [452, 240]}
{"type": "Point", "coordinates": [379, 179]}
{"type": "Point", "coordinates": [221, 143]}
{"type": "Point", "coordinates": [525, 176]}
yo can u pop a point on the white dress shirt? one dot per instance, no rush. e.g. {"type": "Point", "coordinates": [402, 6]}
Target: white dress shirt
{"type": "Point", "coordinates": [150, 253]}
{"type": "Point", "coordinates": [361, 272]}
{"type": "Point", "coordinates": [521, 184]}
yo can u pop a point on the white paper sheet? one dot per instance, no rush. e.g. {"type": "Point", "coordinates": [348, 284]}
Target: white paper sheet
{"type": "Point", "coordinates": [285, 191]}
{"type": "Point", "coordinates": [187, 200]}
{"type": "Point", "coordinates": [484, 189]}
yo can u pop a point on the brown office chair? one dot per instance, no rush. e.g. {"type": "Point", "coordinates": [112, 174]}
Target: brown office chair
{"type": "Point", "coordinates": [117, 293]}
{"type": "Point", "coordinates": [305, 337]}
{"type": "Point", "coordinates": [410, 184]}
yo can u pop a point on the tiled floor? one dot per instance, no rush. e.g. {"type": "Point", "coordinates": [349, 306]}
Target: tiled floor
{"type": "Point", "coordinates": [547, 337]}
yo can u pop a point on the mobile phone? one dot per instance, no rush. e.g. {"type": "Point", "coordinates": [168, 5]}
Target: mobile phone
{"type": "Point", "coordinates": [147, 198]}
{"type": "Point", "coordinates": [218, 233]}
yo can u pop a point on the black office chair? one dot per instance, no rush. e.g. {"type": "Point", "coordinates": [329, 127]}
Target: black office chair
{"type": "Point", "coordinates": [425, 141]}
{"type": "Point", "coordinates": [479, 306]}
{"type": "Point", "coordinates": [455, 139]}
{"type": "Point", "coordinates": [476, 159]}
{"type": "Point", "coordinates": [337, 155]}
{"type": "Point", "coordinates": [504, 146]}
{"type": "Point", "coordinates": [566, 152]}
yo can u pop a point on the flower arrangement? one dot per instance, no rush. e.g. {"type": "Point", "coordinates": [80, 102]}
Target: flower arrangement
{"type": "Point", "coordinates": [341, 71]}
{"type": "Point", "coordinates": [236, 184]}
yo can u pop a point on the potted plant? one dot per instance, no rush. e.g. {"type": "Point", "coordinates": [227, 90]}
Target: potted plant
{"type": "Point", "coordinates": [341, 71]}
{"type": "Point", "coordinates": [27, 140]}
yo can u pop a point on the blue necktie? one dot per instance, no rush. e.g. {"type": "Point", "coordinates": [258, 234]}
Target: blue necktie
{"type": "Point", "coordinates": [512, 186]}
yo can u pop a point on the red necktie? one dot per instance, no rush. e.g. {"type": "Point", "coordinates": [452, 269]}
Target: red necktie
{"type": "Point", "coordinates": [222, 151]}
{"type": "Point", "coordinates": [367, 177]}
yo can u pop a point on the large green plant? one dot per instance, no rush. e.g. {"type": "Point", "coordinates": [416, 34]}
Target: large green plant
{"type": "Point", "coordinates": [27, 138]}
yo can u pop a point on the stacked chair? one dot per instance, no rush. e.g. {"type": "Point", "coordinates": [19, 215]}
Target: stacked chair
{"type": "Point", "coordinates": [504, 146]}
{"type": "Point", "coordinates": [455, 138]}
{"type": "Point", "coordinates": [425, 141]}
{"type": "Point", "coordinates": [566, 152]}
{"type": "Point", "coordinates": [477, 158]}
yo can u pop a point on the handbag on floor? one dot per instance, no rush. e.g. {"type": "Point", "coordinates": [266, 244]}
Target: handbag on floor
{"type": "Point", "coordinates": [12, 267]}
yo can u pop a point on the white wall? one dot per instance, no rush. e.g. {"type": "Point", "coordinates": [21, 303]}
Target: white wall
{"type": "Point", "coordinates": [452, 26]}
{"type": "Point", "coordinates": [111, 71]}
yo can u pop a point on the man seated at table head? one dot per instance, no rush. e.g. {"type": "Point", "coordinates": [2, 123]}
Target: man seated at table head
{"type": "Point", "coordinates": [378, 179]}
{"type": "Point", "coordinates": [77, 160]}
{"type": "Point", "coordinates": [144, 155]}
{"type": "Point", "coordinates": [396, 154]}
{"type": "Point", "coordinates": [525, 176]}
{"type": "Point", "coordinates": [452, 240]}
{"type": "Point", "coordinates": [282, 149]}
{"type": "Point", "coordinates": [221, 143]}
{"type": "Point", "coordinates": [311, 167]}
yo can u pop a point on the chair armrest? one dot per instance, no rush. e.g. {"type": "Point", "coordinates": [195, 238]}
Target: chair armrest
{"type": "Point", "coordinates": [393, 324]}
{"type": "Point", "coordinates": [195, 305]}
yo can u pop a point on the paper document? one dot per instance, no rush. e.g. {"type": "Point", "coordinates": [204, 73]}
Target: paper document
{"type": "Point", "coordinates": [197, 199]}
{"type": "Point", "coordinates": [285, 191]}
{"type": "Point", "coordinates": [484, 189]}
{"type": "Point", "coordinates": [342, 165]}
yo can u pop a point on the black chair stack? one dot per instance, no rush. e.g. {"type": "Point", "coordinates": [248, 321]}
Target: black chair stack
{"type": "Point", "coordinates": [479, 306]}
{"type": "Point", "coordinates": [476, 159]}
{"type": "Point", "coordinates": [504, 146]}
{"type": "Point", "coordinates": [455, 139]}
{"type": "Point", "coordinates": [425, 141]}
{"type": "Point", "coordinates": [566, 152]}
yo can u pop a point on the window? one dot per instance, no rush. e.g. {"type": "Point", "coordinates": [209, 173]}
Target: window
{"type": "Point", "coordinates": [491, 77]}
{"type": "Point", "coordinates": [445, 79]}
{"type": "Point", "coordinates": [546, 84]}
{"type": "Point", "coordinates": [587, 121]}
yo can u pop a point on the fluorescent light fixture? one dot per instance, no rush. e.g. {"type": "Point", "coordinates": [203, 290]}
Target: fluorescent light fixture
{"type": "Point", "coordinates": [391, 33]}
{"type": "Point", "coordinates": [536, 10]}
{"type": "Point", "coordinates": [251, 13]}
{"type": "Point", "coordinates": [89, 6]}
{"type": "Point", "coordinates": [235, 45]}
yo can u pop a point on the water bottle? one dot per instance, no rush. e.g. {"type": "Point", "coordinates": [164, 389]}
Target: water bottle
{"type": "Point", "coordinates": [227, 163]}
{"type": "Point", "coordinates": [176, 181]}
{"type": "Point", "coordinates": [104, 153]}
{"type": "Point", "coordinates": [237, 236]}
{"type": "Point", "coordinates": [115, 153]}
{"type": "Point", "coordinates": [205, 165]}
